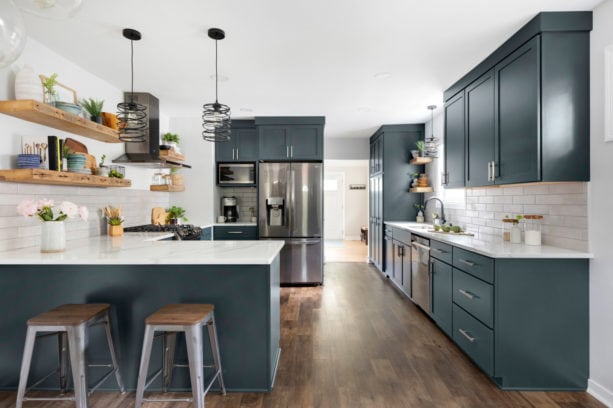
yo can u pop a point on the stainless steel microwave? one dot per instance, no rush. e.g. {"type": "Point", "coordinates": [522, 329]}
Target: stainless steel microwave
{"type": "Point", "coordinates": [236, 174]}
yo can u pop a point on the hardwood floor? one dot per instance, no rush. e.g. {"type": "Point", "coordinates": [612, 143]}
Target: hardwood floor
{"type": "Point", "coordinates": [345, 251]}
{"type": "Point", "coordinates": [356, 342]}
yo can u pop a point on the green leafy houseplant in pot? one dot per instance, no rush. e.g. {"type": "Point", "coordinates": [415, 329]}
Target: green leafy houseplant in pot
{"type": "Point", "coordinates": [103, 169]}
{"type": "Point", "coordinates": [421, 146]}
{"type": "Point", "coordinates": [50, 93]}
{"type": "Point", "coordinates": [114, 220]}
{"type": "Point", "coordinates": [172, 140]}
{"type": "Point", "coordinates": [174, 215]}
{"type": "Point", "coordinates": [94, 108]}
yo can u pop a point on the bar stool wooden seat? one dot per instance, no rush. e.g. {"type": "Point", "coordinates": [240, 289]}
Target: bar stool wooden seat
{"type": "Point", "coordinates": [69, 323]}
{"type": "Point", "coordinates": [170, 320]}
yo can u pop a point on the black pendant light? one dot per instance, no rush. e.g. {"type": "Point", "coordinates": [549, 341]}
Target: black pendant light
{"type": "Point", "coordinates": [132, 116]}
{"type": "Point", "coordinates": [432, 142]}
{"type": "Point", "coordinates": [216, 116]}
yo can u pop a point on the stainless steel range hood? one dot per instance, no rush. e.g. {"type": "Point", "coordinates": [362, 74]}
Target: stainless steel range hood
{"type": "Point", "coordinates": [147, 153]}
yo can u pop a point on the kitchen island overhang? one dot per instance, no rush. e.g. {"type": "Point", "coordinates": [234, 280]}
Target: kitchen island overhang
{"type": "Point", "coordinates": [137, 277]}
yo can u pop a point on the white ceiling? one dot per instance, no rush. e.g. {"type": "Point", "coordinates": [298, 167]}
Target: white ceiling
{"type": "Point", "coordinates": [316, 57]}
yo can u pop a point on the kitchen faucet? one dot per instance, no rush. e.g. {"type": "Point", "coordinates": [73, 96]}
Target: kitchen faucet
{"type": "Point", "coordinates": [442, 207]}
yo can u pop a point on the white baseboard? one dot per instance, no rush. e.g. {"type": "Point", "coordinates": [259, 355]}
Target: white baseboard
{"type": "Point", "coordinates": [601, 393]}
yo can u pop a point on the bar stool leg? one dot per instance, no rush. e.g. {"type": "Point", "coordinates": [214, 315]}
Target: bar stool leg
{"type": "Point", "coordinates": [215, 351]}
{"type": "Point", "coordinates": [144, 365]}
{"type": "Point", "coordinates": [170, 340]}
{"type": "Point", "coordinates": [76, 347]}
{"type": "Point", "coordinates": [62, 340]}
{"type": "Point", "coordinates": [193, 338]}
{"type": "Point", "coordinates": [109, 338]}
{"type": "Point", "coordinates": [25, 365]}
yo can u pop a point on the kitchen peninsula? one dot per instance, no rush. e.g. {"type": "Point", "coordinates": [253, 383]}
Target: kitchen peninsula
{"type": "Point", "coordinates": [137, 274]}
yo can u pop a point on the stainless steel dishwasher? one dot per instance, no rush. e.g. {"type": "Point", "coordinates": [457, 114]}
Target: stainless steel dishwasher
{"type": "Point", "coordinates": [420, 271]}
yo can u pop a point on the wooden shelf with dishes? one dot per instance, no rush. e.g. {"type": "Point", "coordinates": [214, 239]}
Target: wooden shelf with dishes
{"type": "Point", "coordinates": [47, 115]}
{"type": "Point", "coordinates": [171, 155]}
{"type": "Point", "coordinates": [42, 176]}
{"type": "Point", "coordinates": [167, 188]}
{"type": "Point", "coordinates": [421, 190]}
{"type": "Point", "coordinates": [420, 160]}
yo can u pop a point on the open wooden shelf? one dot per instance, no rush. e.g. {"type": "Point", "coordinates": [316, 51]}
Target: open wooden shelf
{"type": "Point", "coordinates": [421, 160]}
{"type": "Point", "coordinates": [171, 155]}
{"type": "Point", "coordinates": [41, 176]}
{"type": "Point", "coordinates": [167, 188]}
{"type": "Point", "coordinates": [421, 190]}
{"type": "Point", "coordinates": [47, 115]}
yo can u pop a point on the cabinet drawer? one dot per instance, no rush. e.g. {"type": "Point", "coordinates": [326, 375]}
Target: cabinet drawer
{"type": "Point", "coordinates": [389, 231]}
{"type": "Point", "coordinates": [238, 233]}
{"type": "Point", "coordinates": [441, 251]}
{"type": "Point", "coordinates": [474, 295]}
{"type": "Point", "coordinates": [477, 265]}
{"type": "Point", "coordinates": [402, 236]}
{"type": "Point", "coordinates": [474, 338]}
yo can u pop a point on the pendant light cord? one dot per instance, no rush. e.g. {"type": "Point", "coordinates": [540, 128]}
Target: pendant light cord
{"type": "Point", "coordinates": [216, 76]}
{"type": "Point", "coordinates": [132, 70]}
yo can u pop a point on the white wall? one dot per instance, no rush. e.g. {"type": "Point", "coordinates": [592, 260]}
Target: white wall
{"type": "Point", "coordinates": [356, 201]}
{"type": "Point", "coordinates": [198, 199]}
{"type": "Point", "coordinates": [600, 223]}
{"type": "Point", "coordinates": [342, 148]}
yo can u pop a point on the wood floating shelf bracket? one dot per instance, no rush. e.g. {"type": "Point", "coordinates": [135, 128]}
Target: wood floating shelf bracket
{"type": "Point", "coordinates": [421, 160]}
{"type": "Point", "coordinates": [47, 115]}
{"type": "Point", "coordinates": [166, 188]}
{"type": "Point", "coordinates": [42, 176]}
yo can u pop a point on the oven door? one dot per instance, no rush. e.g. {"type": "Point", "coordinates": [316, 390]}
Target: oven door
{"type": "Point", "coordinates": [236, 174]}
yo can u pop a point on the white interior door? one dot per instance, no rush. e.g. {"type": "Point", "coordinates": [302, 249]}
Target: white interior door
{"type": "Point", "coordinates": [334, 205]}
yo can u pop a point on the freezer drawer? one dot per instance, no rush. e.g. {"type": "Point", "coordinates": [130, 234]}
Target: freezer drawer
{"type": "Point", "coordinates": [302, 261]}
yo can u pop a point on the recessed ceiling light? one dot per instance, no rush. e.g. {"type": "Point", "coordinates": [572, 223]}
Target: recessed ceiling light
{"type": "Point", "coordinates": [220, 78]}
{"type": "Point", "coordinates": [383, 75]}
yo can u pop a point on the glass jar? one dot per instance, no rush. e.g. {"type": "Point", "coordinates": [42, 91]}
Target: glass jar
{"type": "Point", "coordinates": [532, 234]}
{"type": "Point", "coordinates": [508, 224]}
{"type": "Point", "coordinates": [158, 179]}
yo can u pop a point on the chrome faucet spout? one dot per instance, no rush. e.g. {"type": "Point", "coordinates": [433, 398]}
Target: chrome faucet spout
{"type": "Point", "coordinates": [443, 220]}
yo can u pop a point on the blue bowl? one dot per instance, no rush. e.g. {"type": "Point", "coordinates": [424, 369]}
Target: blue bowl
{"type": "Point", "coordinates": [68, 107]}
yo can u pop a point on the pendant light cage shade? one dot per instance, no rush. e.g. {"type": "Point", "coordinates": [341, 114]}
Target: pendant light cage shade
{"type": "Point", "coordinates": [132, 116]}
{"type": "Point", "coordinates": [432, 143]}
{"type": "Point", "coordinates": [216, 122]}
{"type": "Point", "coordinates": [51, 9]}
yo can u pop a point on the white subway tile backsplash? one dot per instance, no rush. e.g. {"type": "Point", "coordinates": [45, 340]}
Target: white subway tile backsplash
{"type": "Point", "coordinates": [524, 199]}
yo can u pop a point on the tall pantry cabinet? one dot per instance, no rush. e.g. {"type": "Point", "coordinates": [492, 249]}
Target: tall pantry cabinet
{"type": "Point", "coordinates": [390, 176]}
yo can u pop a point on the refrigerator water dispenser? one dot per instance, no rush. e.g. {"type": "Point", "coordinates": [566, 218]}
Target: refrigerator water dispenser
{"type": "Point", "coordinates": [274, 207]}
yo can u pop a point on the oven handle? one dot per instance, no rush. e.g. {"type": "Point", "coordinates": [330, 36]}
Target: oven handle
{"type": "Point", "coordinates": [418, 245]}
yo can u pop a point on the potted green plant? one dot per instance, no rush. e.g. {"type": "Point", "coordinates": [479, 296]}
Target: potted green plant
{"type": "Point", "coordinates": [114, 220]}
{"type": "Point", "coordinates": [103, 169]}
{"type": "Point", "coordinates": [51, 95]}
{"type": "Point", "coordinates": [94, 108]}
{"type": "Point", "coordinates": [420, 213]}
{"type": "Point", "coordinates": [174, 215]}
{"type": "Point", "coordinates": [415, 176]}
{"type": "Point", "coordinates": [421, 146]}
{"type": "Point", "coordinates": [172, 140]}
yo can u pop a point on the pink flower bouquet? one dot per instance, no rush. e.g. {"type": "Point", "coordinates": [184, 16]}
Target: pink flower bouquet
{"type": "Point", "coordinates": [46, 211]}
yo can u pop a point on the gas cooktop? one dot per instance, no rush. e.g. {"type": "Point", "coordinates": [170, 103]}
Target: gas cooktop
{"type": "Point", "coordinates": [182, 232]}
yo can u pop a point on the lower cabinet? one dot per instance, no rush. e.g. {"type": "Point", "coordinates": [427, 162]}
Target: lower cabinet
{"type": "Point", "coordinates": [235, 233]}
{"type": "Point", "coordinates": [398, 258]}
{"type": "Point", "coordinates": [441, 294]}
{"type": "Point", "coordinates": [475, 338]}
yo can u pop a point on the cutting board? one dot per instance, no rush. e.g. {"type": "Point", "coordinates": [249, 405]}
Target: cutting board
{"type": "Point", "coordinates": [158, 216]}
{"type": "Point", "coordinates": [75, 146]}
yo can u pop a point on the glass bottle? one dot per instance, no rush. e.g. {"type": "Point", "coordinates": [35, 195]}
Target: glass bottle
{"type": "Point", "coordinates": [532, 235]}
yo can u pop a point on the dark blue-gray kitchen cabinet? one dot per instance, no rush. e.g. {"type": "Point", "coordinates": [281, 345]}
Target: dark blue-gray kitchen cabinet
{"type": "Point", "coordinates": [440, 296]}
{"type": "Point", "coordinates": [390, 199]}
{"type": "Point", "coordinates": [291, 138]}
{"type": "Point", "coordinates": [206, 234]}
{"type": "Point", "coordinates": [455, 129]}
{"type": "Point", "coordinates": [235, 233]}
{"type": "Point", "coordinates": [540, 124]}
{"type": "Point", "coordinates": [243, 144]}
{"type": "Point", "coordinates": [480, 130]}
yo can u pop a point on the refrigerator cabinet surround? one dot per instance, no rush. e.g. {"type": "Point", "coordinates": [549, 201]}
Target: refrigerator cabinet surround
{"type": "Point", "coordinates": [290, 206]}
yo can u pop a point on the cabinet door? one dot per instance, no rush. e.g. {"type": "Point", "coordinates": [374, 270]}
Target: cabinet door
{"type": "Point", "coordinates": [454, 142]}
{"type": "Point", "coordinates": [224, 151]}
{"type": "Point", "coordinates": [479, 130]}
{"type": "Point", "coordinates": [274, 142]}
{"type": "Point", "coordinates": [441, 296]}
{"type": "Point", "coordinates": [306, 143]}
{"type": "Point", "coordinates": [371, 222]}
{"type": "Point", "coordinates": [247, 146]}
{"type": "Point", "coordinates": [389, 255]}
{"type": "Point", "coordinates": [399, 250]}
{"type": "Point", "coordinates": [379, 154]}
{"type": "Point", "coordinates": [380, 225]}
{"type": "Point", "coordinates": [518, 117]}
{"type": "Point", "coordinates": [406, 271]}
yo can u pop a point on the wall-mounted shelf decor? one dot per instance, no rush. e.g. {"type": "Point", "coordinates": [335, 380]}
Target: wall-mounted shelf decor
{"type": "Point", "coordinates": [47, 115]}
{"type": "Point", "coordinates": [421, 190]}
{"type": "Point", "coordinates": [167, 188]}
{"type": "Point", "coordinates": [421, 160]}
{"type": "Point", "coordinates": [42, 176]}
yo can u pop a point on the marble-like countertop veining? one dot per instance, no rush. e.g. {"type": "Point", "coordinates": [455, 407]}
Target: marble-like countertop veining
{"type": "Point", "coordinates": [137, 248]}
{"type": "Point", "coordinates": [491, 249]}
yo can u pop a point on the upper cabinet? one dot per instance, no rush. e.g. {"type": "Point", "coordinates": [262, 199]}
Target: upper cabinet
{"type": "Point", "coordinates": [291, 138]}
{"type": "Point", "coordinates": [525, 108]}
{"type": "Point", "coordinates": [376, 155]}
{"type": "Point", "coordinates": [243, 144]}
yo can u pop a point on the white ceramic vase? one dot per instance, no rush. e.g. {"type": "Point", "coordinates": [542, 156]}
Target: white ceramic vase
{"type": "Point", "coordinates": [53, 237]}
{"type": "Point", "coordinates": [28, 85]}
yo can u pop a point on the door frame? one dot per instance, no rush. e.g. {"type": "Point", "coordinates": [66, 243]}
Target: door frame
{"type": "Point", "coordinates": [344, 202]}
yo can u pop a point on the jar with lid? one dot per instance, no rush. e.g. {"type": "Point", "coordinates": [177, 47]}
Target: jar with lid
{"type": "Point", "coordinates": [509, 225]}
{"type": "Point", "coordinates": [158, 179]}
{"type": "Point", "coordinates": [532, 235]}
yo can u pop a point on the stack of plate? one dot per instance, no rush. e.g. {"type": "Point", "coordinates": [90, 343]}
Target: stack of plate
{"type": "Point", "coordinates": [80, 171]}
{"type": "Point", "coordinates": [68, 107]}
{"type": "Point", "coordinates": [76, 162]}
{"type": "Point", "coordinates": [28, 161]}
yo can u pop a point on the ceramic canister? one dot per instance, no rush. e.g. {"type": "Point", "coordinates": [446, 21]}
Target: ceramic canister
{"type": "Point", "coordinates": [28, 85]}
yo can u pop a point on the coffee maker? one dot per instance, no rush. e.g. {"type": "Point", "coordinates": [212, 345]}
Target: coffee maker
{"type": "Point", "coordinates": [229, 208]}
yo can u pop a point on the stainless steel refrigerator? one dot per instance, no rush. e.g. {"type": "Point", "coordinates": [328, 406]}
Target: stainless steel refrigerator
{"type": "Point", "coordinates": [290, 203]}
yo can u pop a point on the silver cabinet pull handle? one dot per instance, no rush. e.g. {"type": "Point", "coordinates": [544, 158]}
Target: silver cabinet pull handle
{"type": "Point", "coordinates": [291, 151]}
{"type": "Point", "coordinates": [468, 336]}
{"type": "Point", "coordinates": [469, 263]}
{"type": "Point", "coordinates": [467, 294]}
{"type": "Point", "coordinates": [235, 232]}
{"type": "Point", "coordinates": [493, 171]}
{"type": "Point", "coordinates": [237, 153]}
{"type": "Point", "coordinates": [489, 171]}
{"type": "Point", "coordinates": [438, 251]}
{"type": "Point", "coordinates": [286, 151]}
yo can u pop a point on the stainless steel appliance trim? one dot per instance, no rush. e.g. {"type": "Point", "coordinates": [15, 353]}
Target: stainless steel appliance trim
{"type": "Point", "coordinates": [422, 246]}
{"type": "Point", "coordinates": [468, 337]}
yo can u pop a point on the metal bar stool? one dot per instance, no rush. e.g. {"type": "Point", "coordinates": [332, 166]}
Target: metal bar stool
{"type": "Point", "coordinates": [69, 323]}
{"type": "Point", "coordinates": [189, 319]}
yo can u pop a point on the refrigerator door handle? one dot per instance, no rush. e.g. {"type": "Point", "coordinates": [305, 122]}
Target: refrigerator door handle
{"type": "Point", "coordinates": [303, 241]}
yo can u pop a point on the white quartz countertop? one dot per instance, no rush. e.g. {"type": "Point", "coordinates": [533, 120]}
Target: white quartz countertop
{"type": "Point", "coordinates": [137, 248]}
{"type": "Point", "coordinates": [491, 249]}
